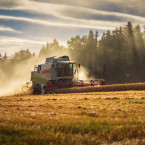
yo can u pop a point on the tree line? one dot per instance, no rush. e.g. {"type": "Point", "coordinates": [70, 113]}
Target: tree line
{"type": "Point", "coordinates": [118, 56]}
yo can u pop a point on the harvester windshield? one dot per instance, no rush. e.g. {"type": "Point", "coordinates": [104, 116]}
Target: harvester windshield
{"type": "Point", "coordinates": [64, 70]}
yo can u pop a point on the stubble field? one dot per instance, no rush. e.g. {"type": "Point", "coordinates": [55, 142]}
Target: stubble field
{"type": "Point", "coordinates": [81, 118]}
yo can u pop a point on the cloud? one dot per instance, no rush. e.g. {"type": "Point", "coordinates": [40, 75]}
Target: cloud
{"type": "Point", "coordinates": [18, 40]}
{"type": "Point", "coordinates": [14, 44]}
{"type": "Point", "coordinates": [9, 3]}
{"type": "Point", "coordinates": [53, 6]}
{"type": "Point", "coordinates": [76, 24]}
{"type": "Point", "coordinates": [135, 7]}
{"type": "Point", "coordinates": [88, 14]}
{"type": "Point", "coordinates": [79, 21]}
{"type": "Point", "coordinates": [3, 28]}
{"type": "Point", "coordinates": [77, 16]}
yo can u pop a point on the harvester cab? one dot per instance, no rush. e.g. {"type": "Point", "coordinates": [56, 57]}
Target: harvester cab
{"type": "Point", "coordinates": [56, 72]}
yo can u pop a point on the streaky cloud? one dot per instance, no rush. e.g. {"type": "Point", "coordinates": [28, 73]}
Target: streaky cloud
{"type": "Point", "coordinates": [14, 44]}
{"type": "Point", "coordinates": [66, 12]}
{"type": "Point", "coordinates": [6, 40]}
{"type": "Point", "coordinates": [84, 23]}
{"type": "Point", "coordinates": [3, 28]}
{"type": "Point", "coordinates": [134, 7]}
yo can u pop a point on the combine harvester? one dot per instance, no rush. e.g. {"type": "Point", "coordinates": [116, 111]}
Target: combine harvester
{"type": "Point", "coordinates": [58, 73]}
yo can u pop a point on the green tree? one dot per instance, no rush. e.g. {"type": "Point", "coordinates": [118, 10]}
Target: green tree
{"type": "Point", "coordinates": [1, 58]}
{"type": "Point", "coordinates": [5, 58]}
{"type": "Point", "coordinates": [51, 49]}
{"type": "Point", "coordinates": [76, 47]}
{"type": "Point", "coordinates": [22, 55]}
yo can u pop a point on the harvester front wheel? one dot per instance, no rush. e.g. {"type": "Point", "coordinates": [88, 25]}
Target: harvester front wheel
{"type": "Point", "coordinates": [37, 89]}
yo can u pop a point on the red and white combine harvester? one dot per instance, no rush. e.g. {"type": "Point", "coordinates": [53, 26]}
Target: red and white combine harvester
{"type": "Point", "coordinates": [56, 73]}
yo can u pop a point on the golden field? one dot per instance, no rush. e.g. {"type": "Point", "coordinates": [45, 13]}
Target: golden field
{"type": "Point", "coordinates": [103, 88]}
{"type": "Point", "coordinates": [85, 118]}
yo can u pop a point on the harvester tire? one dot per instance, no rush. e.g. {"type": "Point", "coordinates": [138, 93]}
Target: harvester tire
{"type": "Point", "coordinates": [37, 89]}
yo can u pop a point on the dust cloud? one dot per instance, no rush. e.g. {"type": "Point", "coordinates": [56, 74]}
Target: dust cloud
{"type": "Point", "coordinates": [13, 82]}
{"type": "Point", "coordinates": [83, 74]}
{"type": "Point", "coordinates": [15, 75]}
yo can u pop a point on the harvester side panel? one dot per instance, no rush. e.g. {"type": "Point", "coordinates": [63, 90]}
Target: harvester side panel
{"type": "Point", "coordinates": [41, 77]}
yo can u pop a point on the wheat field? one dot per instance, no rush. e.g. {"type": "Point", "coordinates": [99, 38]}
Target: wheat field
{"type": "Point", "coordinates": [103, 88]}
{"type": "Point", "coordinates": [73, 119]}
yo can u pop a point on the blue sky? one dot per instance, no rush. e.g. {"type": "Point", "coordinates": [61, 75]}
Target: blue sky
{"type": "Point", "coordinates": [28, 24]}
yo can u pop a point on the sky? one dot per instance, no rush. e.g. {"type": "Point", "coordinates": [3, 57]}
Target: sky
{"type": "Point", "coordinates": [29, 24]}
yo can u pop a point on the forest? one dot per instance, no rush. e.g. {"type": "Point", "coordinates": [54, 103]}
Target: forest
{"type": "Point", "coordinates": [117, 56]}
